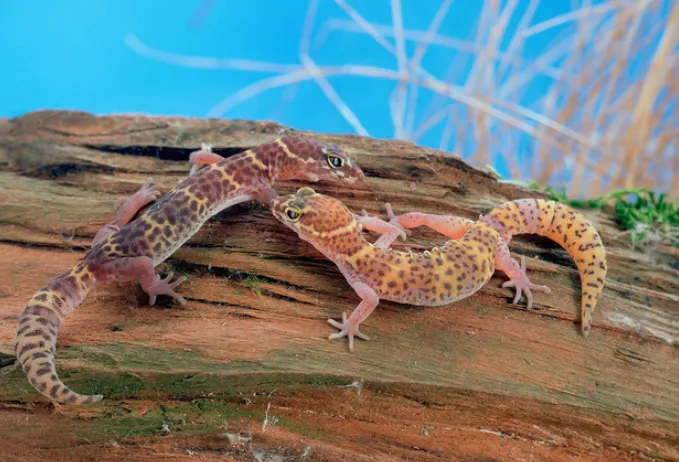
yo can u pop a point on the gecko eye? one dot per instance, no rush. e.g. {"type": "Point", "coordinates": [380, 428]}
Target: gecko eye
{"type": "Point", "coordinates": [293, 215]}
{"type": "Point", "coordinates": [334, 161]}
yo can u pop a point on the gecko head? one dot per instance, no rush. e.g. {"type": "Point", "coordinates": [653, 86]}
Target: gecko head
{"type": "Point", "coordinates": [303, 158]}
{"type": "Point", "coordinates": [321, 220]}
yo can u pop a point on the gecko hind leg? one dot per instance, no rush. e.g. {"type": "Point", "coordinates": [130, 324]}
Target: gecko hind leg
{"type": "Point", "coordinates": [128, 269]}
{"type": "Point", "coordinates": [131, 205]}
{"type": "Point", "coordinates": [517, 275]}
{"type": "Point", "coordinates": [203, 157]}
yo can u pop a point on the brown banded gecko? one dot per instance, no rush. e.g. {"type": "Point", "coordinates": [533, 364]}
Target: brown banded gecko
{"type": "Point", "coordinates": [127, 251]}
{"type": "Point", "coordinates": [442, 274]}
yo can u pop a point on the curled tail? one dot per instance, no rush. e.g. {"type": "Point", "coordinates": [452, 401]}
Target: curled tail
{"type": "Point", "coordinates": [568, 228]}
{"type": "Point", "coordinates": [35, 342]}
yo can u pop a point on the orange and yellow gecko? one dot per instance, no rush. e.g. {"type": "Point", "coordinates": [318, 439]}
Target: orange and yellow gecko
{"type": "Point", "coordinates": [443, 274]}
{"type": "Point", "coordinates": [126, 251]}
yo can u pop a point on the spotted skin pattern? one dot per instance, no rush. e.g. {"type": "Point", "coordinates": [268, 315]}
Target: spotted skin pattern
{"type": "Point", "coordinates": [442, 274]}
{"type": "Point", "coordinates": [558, 222]}
{"type": "Point", "coordinates": [127, 251]}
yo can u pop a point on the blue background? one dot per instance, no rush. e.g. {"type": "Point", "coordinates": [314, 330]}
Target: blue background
{"type": "Point", "coordinates": [75, 54]}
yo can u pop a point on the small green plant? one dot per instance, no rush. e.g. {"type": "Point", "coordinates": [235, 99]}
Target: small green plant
{"type": "Point", "coordinates": [647, 216]}
{"type": "Point", "coordinates": [252, 282]}
{"type": "Point", "coordinates": [650, 218]}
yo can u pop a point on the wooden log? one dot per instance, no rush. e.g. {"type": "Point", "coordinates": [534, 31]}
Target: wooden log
{"type": "Point", "coordinates": [245, 369]}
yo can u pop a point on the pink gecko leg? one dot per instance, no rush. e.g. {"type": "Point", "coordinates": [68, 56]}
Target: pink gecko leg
{"type": "Point", "coordinates": [517, 274]}
{"type": "Point", "coordinates": [389, 232]}
{"type": "Point", "coordinates": [449, 225]}
{"type": "Point", "coordinates": [349, 327]}
{"type": "Point", "coordinates": [203, 157]}
{"type": "Point", "coordinates": [146, 194]}
{"type": "Point", "coordinates": [140, 269]}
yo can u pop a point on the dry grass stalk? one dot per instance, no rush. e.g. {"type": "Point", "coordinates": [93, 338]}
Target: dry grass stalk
{"type": "Point", "coordinates": [595, 127]}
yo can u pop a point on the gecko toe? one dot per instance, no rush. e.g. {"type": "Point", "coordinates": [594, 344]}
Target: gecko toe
{"type": "Point", "coordinates": [517, 297]}
{"type": "Point", "coordinates": [347, 330]}
{"type": "Point", "coordinates": [181, 300]}
{"type": "Point", "coordinates": [529, 296]}
{"type": "Point", "coordinates": [390, 211]}
{"type": "Point", "coordinates": [361, 335]}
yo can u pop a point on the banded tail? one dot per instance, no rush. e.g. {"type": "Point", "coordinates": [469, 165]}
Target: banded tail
{"type": "Point", "coordinates": [36, 337]}
{"type": "Point", "coordinates": [568, 228]}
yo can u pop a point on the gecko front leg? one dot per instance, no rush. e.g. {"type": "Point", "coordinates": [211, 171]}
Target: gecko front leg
{"type": "Point", "coordinates": [203, 157]}
{"type": "Point", "coordinates": [349, 327]}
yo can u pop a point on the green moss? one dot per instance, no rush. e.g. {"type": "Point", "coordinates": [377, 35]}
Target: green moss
{"type": "Point", "coordinates": [306, 431]}
{"type": "Point", "coordinates": [650, 218]}
{"type": "Point", "coordinates": [120, 371]}
{"type": "Point", "coordinates": [204, 417]}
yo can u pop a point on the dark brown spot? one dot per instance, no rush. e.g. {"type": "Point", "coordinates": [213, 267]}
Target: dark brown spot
{"type": "Point", "coordinates": [27, 347]}
{"type": "Point", "coordinates": [44, 371]}
{"type": "Point", "coordinates": [22, 330]}
{"type": "Point", "coordinates": [35, 333]}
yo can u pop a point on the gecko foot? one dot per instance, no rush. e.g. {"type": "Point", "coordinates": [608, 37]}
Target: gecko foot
{"type": "Point", "coordinates": [523, 284]}
{"type": "Point", "coordinates": [348, 330]}
{"type": "Point", "coordinates": [146, 194]}
{"type": "Point", "coordinates": [165, 287]}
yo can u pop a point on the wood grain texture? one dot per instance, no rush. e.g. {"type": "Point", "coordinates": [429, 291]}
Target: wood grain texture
{"type": "Point", "coordinates": [245, 369]}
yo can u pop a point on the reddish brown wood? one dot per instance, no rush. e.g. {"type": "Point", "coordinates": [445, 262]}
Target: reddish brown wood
{"type": "Point", "coordinates": [477, 380]}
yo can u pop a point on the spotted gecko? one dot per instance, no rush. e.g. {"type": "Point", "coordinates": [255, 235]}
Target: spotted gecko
{"type": "Point", "coordinates": [443, 274]}
{"type": "Point", "coordinates": [127, 251]}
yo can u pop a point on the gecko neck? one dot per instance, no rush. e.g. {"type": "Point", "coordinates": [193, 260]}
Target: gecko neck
{"type": "Point", "coordinates": [342, 244]}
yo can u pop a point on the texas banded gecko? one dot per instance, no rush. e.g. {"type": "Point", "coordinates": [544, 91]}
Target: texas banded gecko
{"type": "Point", "coordinates": [443, 274]}
{"type": "Point", "coordinates": [128, 251]}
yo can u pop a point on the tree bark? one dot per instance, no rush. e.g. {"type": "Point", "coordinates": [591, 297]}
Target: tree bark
{"type": "Point", "coordinates": [245, 369]}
